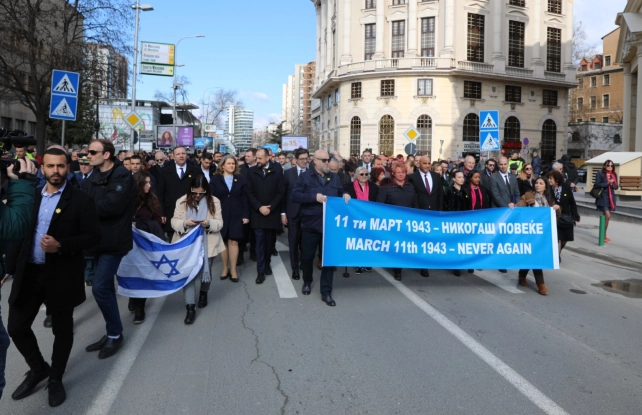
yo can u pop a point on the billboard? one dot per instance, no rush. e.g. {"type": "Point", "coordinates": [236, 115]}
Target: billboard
{"type": "Point", "coordinates": [165, 136]}
{"type": "Point", "coordinates": [114, 128]}
{"type": "Point", "coordinates": [185, 136]}
{"type": "Point", "coordinates": [273, 147]}
{"type": "Point", "coordinates": [292, 143]}
{"type": "Point", "coordinates": [199, 142]}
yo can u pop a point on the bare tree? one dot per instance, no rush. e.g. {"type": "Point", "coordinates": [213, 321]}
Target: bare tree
{"type": "Point", "coordinates": [214, 106]}
{"type": "Point", "coordinates": [581, 47]}
{"type": "Point", "coordinates": [181, 92]}
{"type": "Point", "coordinates": [52, 34]}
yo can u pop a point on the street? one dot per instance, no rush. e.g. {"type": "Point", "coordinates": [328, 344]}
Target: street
{"type": "Point", "coordinates": [440, 345]}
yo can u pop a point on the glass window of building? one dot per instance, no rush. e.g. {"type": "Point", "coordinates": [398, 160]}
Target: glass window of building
{"type": "Point", "coordinates": [475, 50]}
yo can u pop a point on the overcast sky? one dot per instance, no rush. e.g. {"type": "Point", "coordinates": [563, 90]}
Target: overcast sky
{"type": "Point", "coordinates": [598, 17]}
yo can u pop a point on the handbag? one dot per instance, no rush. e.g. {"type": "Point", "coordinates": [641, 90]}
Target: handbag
{"type": "Point", "coordinates": [596, 192]}
{"type": "Point", "coordinates": [565, 221]}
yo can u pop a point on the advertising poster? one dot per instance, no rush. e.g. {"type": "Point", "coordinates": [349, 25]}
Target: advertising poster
{"type": "Point", "coordinates": [209, 143]}
{"type": "Point", "coordinates": [165, 136]}
{"type": "Point", "coordinates": [199, 142]}
{"type": "Point", "coordinates": [185, 136]}
{"type": "Point", "coordinates": [273, 147]}
{"type": "Point", "coordinates": [292, 143]}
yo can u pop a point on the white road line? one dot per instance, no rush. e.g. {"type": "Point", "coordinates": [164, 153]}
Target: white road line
{"type": "Point", "coordinates": [504, 281]}
{"type": "Point", "coordinates": [282, 279]}
{"type": "Point", "coordinates": [282, 247]}
{"type": "Point", "coordinates": [125, 360]}
{"type": "Point", "coordinates": [525, 387]}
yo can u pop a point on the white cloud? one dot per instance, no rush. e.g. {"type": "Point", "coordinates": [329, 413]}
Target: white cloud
{"type": "Point", "coordinates": [262, 120]}
{"type": "Point", "coordinates": [598, 21]}
{"type": "Point", "coordinates": [260, 96]}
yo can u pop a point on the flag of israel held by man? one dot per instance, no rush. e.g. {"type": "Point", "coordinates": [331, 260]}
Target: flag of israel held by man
{"type": "Point", "coordinates": [155, 268]}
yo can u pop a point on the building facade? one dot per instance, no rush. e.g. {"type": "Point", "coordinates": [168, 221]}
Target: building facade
{"type": "Point", "coordinates": [239, 127]}
{"type": "Point", "coordinates": [386, 65]}
{"type": "Point", "coordinates": [297, 100]}
{"type": "Point", "coordinates": [108, 71]}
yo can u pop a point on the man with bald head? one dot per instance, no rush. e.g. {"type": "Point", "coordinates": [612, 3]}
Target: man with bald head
{"type": "Point", "coordinates": [312, 190]}
{"type": "Point", "coordinates": [469, 166]}
{"type": "Point", "coordinates": [429, 188]}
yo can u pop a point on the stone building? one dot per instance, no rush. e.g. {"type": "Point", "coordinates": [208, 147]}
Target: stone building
{"type": "Point", "coordinates": [386, 65]}
{"type": "Point", "coordinates": [297, 100]}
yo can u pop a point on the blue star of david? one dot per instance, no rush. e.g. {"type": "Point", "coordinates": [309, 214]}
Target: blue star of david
{"type": "Point", "coordinates": [165, 261]}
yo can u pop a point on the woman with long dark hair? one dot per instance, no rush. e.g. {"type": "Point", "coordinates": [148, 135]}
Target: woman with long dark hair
{"type": "Point", "coordinates": [526, 179]}
{"type": "Point", "coordinates": [565, 204]}
{"type": "Point", "coordinates": [606, 179]}
{"type": "Point", "coordinates": [199, 208]}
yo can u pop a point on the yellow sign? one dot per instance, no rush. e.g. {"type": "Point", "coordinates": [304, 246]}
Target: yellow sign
{"type": "Point", "coordinates": [132, 119]}
{"type": "Point", "coordinates": [412, 134]}
{"type": "Point", "coordinates": [157, 53]}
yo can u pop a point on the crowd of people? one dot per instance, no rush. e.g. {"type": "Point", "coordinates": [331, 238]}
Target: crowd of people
{"type": "Point", "coordinates": [87, 200]}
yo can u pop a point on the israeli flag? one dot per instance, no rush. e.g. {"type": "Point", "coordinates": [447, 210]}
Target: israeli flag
{"type": "Point", "coordinates": [155, 268]}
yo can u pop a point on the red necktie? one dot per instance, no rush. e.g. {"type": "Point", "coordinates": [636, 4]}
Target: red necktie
{"type": "Point", "coordinates": [427, 184]}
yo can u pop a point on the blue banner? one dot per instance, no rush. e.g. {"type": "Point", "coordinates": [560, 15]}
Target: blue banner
{"type": "Point", "coordinates": [369, 234]}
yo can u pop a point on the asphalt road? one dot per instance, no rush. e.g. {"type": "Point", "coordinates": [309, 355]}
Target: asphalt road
{"type": "Point", "coordinates": [438, 345]}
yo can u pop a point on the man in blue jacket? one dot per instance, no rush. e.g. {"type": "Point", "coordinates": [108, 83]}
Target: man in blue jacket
{"type": "Point", "coordinates": [312, 190]}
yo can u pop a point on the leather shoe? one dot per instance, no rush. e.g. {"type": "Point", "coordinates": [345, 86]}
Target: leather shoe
{"type": "Point", "coordinates": [425, 273]}
{"type": "Point", "coordinates": [268, 270]}
{"type": "Point", "coordinates": [398, 276]}
{"type": "Point", "coordinates": [202, 299]}
{"type": "Point", "coordinates": [57, 393]}
{"type": "Point", "coordinates": [328, 300]}
{"type": "Point", "coordinates": [296, 276]}
{"type": "Point", "coordinates": [111, 347]}
{"type": "Point", "coordinates": [29, 384]}
{"type": "Point", "coordinates": [503, 271]}
{"type": "Point", "coordinates": [47, 323]}
{"type": "Point", "coordinates": [191, 314]}
{"type": "Point", "coordinates": [94, 347]}
{"type": "Point", "coordinates": [275, 252]}
{"type": "Point", "coordinates": [522, 281]}
{"type": "Point", "coordinates": [260, 278]}
{"type": "Point", "coordinates": [457, 273]}
{"type": "Point", "coordinates": [306, 290]}
{"type": "Point", "coordinates": [542, 289]}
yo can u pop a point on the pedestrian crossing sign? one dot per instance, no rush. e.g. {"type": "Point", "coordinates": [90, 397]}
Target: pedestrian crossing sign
{"type": "Point", "coordinates": [64, 95]}
{"type": "Point", "coordinates": [63, 108]}
{"type": "Point", "coordinates": [64, 83]}
{"type": "Point", "coordinates": [489, 120]}
{"type": "Point", "coordinates": [491, 142]}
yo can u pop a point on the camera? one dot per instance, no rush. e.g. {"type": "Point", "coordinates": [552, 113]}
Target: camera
{"type": "Point", "coordinates": [9, 139]}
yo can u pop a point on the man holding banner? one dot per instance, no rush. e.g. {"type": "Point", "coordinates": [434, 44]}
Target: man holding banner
{"type": "Point", "coordinates": [312, 190]}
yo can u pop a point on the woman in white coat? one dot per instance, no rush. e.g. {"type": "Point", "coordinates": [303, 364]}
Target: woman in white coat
{"type": "Point", "coordinates": [199, 208]}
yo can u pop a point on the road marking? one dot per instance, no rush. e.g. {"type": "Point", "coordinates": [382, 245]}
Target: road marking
{"type": "Point", "coordinates": [503, 281]}
{"type": "Point", "coordinates": [282, 247]}
{"type": "Point", "coordinates": [125, 360]}
{"type": "Point", "coordinates": [525, 387]}
{"type": "Point", "coordinates": [282, 279]}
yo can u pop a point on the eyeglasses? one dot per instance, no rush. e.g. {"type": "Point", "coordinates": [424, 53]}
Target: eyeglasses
{"type": "Point", "coordinates": [528, 168]}
{"type": "Point", "coordinates": [302, 159]}
{"type": "Point", "coordinates": [94, 152]}
{"type": "Point", "coordinates": [324, 160]}
{"type": "Point", "coordinates": [363, 174]}
{"type": "Point", "coordinates": [197, 193]}
{"type": "Point", "coordinates": [610, 165]}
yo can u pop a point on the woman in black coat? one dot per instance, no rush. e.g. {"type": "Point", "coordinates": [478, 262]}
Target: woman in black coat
{"type": "Point", "coordinates": [229, 187]}
{"type": "Point", "coordinates": [565, 202]}
{"type": "Point", "coordinates": [606, 180]}
{"type": "Point", "coordinates": [477, 196]}
{"type": "Point", "coordinates": [526, 179]}
{"type": "Point", "coordinates": [367, 191]}
{"type": "Point", "coordinates": [398, 192]}
{"type": "Point", "coordinates": [455, 199]}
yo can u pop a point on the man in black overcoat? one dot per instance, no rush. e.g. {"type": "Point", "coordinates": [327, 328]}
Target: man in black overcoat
{"type": "Point", "coordinates": [291, 211]}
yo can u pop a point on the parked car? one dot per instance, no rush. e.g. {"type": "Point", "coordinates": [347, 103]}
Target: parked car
{"type": "Point", "coordinates": [581, 173]}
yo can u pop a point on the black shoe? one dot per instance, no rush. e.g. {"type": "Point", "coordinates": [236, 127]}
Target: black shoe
{"type": "Point", "coordinates": [268, 270]}
{"type": "Point", "coordinates": [425, 273]}
{"type": "Point", "coordinates": [139, 315]}
{"type": "Point", "coordinates": [94, 347]}
{"type": "Point", "coordinates": [202, 299]}
{"type": "Point", "coordinates": [470, 271]}
{"type": "Point", "coordinates": [57, 393]}
{"type": "Point", "coordinates": [457, 273]}
{"type": "Point", "coordinates": [328, 300]}
{"type": "Point", "coordinates": [47, 322]}
{"type": "Point", "coordinates": [29, 384]}
{"type": "Point", "coordinates": [368, 269]}
{"type": "Point", "coordinates": [240, 260]}
{"type": "Point", "coordinates": [275, 252]}
{"type": "Point", "coordinates": [503, 271]}
{"type": "Point", "coordinates": [358, 271]}
{"type": "Point", "coordinates": [296, 276]}
{"type": "Point", "coordinates": [253, 257]}
{"type": "Point", "coordinates": [224, 277]}
{"type": "Point", "coordinates": [260, 278]}
{"type": "Point", "coordinates": [131, 305]}
{"type": "Point", "coordinates": [191, 314]}
{"type": "Point", "coordinates": [306, 290]}
{"type": "Point", "coordinates": [89, 283]}
{"type": "Point", "coordinates": [111, 347]}
{"type": "Point", "coordinates": [398, 276]}
{"type": "Point", "coordinates": [234, 279]}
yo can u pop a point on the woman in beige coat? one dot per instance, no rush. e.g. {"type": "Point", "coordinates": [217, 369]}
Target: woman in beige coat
{"type": "Point", "coordinates": [199, 208]}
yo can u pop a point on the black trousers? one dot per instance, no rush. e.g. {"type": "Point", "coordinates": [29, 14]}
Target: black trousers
{"type": "Point", "coordinates": [22, 317]}
{"type": "Point", "coordinates": [294, 241]}
{"type": "Point", "coordinates": [265, 240]}
{"type": "Point", "coordinates": [309, 243]}
{"type": "Point", "coordinates": [537, 273]}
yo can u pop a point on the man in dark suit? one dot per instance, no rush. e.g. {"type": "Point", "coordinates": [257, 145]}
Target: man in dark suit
{"type": "Point", "coordinates": [265, 193]}
{"type": "Point", "coordinates": [429, 188]}
{"type": "Point", "coordinates": [174, 183]}
{"type": "Point", "coordinates": [48, 267]}
{"type": "Point", "coordinates": [290, 212]}
{"type": "Point", "coordinates": [244, 170]}
{"type": "Point", "coordinates": [161, 161]}
{"type": "Point", "coordinates": [366, 160]}
{"type": "Point", "coordinates": [504, 188]}
{"type": "Point", "coordinates": [207, 166]}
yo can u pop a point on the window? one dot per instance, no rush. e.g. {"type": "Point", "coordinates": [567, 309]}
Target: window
{"type": "Point", "coordinates": [555, 6]}
{"type": "Point", "coordinates": [513, 94]}
{"type": "Point", "coordinates": [597, 65]}
{"type": "Point", "coordinates": [5, 122]}
{"type": "Point", "coordinates": [592, 119]}
{"type": "Point", "coordinates": [580, 103]}
{"type": "Point", "coordinates": [428, 36]}
{"type": "Point", "coordinates": [516, 44]}
{"type": "Point", "coordinates": [580, 83]}
{"type": "Point", "coordinates": [548, 145]}
{"type": "Point", "coordinates": [593, 102]}
{"type": "Point", "coordinates": [355, 135]}
{"type": "Point", "coordinates": [398, 38]}
{"type": "Point", "coordinates": [355, 90]}
{"type": "Point", "coordinates": [554, 49]}
{"type": "Point", "coordinates": [329, 101]}
{"type": "Point", "coordinates": [32, 128]}
{"type": "Point", "coordinates": [371, 4]}
{"type": "Point", "coordinates": [371, 37]}
{"type": "Point", "coordinates": [472, 89]}
{"type": "Point", "coordinates": [475, 51]}
{"type": "Point", "coordinates": [512, 129]}
{"type": "Point", "coordinates": [424, 142]}
{"type": "Point", "coordinates": [584, 68]}
{"type": "Point", "coordinates": [471, 128]}
{"type": "Point", "coordinates": [424, 87]}
{"type": "Point", "coordinates": [606, 100]}
{"type": "Point", "coordinates": [617, 139]}
{"type": "Point", "coordinates": [606, 80]}
{"type": "Point", "coordinates": [336, 96]}
{"type": "Point", "coordinates": [593, 81]}
{"type": "Point", "coordinates": [20, 125]}
{"type": "Point", "coordinates": [520, 3]}
{"type": "Point", "coordinates": [575, 137]}
{"type": "Point", "coordinates": [386, 135]}
{"type": "Point", "coordinates": [398, 2]}
{"type": "Point", "coordinates": [388, 88]}
{"type": "Point", "coordinates": [605, 120]}
{"type": "Point", "coordinates": [549, 98]}
{"type": "Point", "coordinates": [607, 60]}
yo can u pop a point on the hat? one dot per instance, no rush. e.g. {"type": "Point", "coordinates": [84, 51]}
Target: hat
{"type": "Point", "coordinates": [513, 166]}
{"type": "Point", "coordinates": [83, 160]}
{"type": "Point", "coordinates": [515, 152]}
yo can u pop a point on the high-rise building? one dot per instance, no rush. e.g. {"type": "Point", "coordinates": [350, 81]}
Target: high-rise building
{"type": "Point", "coordinates": [107, 70]}
{"type": "Point", "coordinates": [385, 65]}
{"type": "Point", "coordinates": [297, 100]}
{"type": "Point", "coordinates": [239, 127]}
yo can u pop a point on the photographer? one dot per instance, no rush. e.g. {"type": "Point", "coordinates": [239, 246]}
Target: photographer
{"type": "Point", "coordinates": [14, 220]}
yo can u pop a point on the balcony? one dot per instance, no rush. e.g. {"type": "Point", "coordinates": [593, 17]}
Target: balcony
{"type": "Point", "coordinates": [555, 76]}
{"type": "Point", "coordinates": [475, 67]}
{"type": "Point", "coordinates": [519, 72]}
{"type": "Point", "coordinates": [397, 63]}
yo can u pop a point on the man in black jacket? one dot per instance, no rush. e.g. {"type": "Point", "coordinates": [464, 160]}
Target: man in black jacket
{"type": "Point", "coordinates": [48, 267]}
{"type": "Point", "coordinates": [265, 193]}
{"type": "Point", "coordinates": [429, 188]}
{"type": "Point", "coordinates": [290, 212]}
{"type": "Point", "coordinates": [112, 188]}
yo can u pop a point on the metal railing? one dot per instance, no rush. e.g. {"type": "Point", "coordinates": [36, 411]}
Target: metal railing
{"type": "Point", "coordinates": [519, 72]}
{"type": "Point", "coordinates": [475, 66]}
{"type": "Point", "coordinates": [555, 76]}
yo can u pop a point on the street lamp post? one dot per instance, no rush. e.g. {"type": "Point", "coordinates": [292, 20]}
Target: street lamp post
{"type": "Point", "coordinates": [146, 8]}
{"type": "Point", "coordinates": [174, 85]}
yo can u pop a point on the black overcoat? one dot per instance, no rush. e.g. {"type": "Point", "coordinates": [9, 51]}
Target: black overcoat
{"type": "Point", "coordinates": [265, 190]}
{"type": "Point", "coordinates": [234, 204]}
